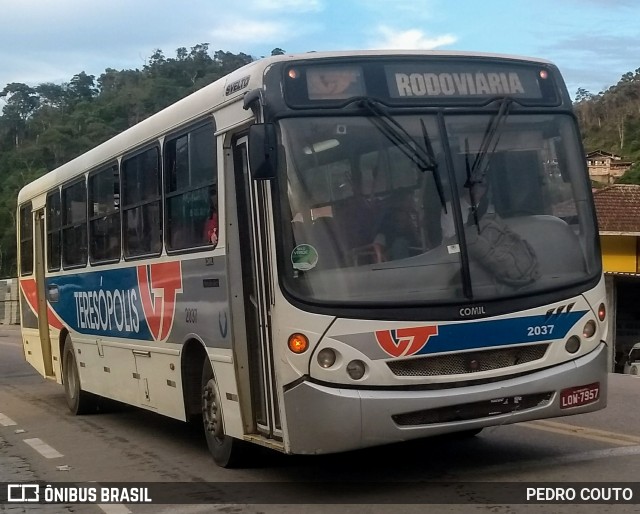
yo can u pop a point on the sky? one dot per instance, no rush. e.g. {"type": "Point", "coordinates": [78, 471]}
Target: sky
{"type": "Point", "coordinates": [593, 42]}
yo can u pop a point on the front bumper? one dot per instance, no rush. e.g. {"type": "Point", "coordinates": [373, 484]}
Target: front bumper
{"type": "Point", "coordinates": [323, 419]}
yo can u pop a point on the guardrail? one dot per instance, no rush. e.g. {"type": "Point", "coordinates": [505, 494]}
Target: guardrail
{"type": "Point", "coordinates": [9, 306]}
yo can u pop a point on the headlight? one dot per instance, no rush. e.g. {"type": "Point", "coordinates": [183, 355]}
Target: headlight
{"type": "Point", "coordinates": [356, 369]}
{"type": "Point", "coordinates": [589, 329]}
{"type": "Point", "coordinates": [326, 358]}
{"type": "Point", "coordinates": [573, 344]}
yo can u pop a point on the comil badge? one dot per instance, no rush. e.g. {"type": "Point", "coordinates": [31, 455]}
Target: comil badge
{"type": "Point", "coordinates": [403, 342]}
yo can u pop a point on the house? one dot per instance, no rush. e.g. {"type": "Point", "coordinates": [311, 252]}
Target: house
{"type": "Point", "coordinates": [605, 167]}
{"type": "Point", "coordinates": [618, 211]}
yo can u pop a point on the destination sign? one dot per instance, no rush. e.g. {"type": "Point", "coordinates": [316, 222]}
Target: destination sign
{"type": "Point", "coordinates": [424, 80]}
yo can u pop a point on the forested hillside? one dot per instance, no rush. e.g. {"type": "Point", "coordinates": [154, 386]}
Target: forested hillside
{"type": "Point", "coordinates": [44, 126]}
{"type": "Point", "coordinates": [610, 121]}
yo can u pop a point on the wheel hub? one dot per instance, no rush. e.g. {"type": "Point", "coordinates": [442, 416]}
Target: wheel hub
{"type": "Point", "coordinates": [211, 412]}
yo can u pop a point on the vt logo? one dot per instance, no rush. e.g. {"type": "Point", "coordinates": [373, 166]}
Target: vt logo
{"type": "Point", "coordinates": [159, 284]}
{"type": "Point", "coordinates": [403, 342]}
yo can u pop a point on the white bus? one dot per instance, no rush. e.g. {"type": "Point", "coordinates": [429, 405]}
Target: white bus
{"type": "Point", "coordinates": [327, 251]}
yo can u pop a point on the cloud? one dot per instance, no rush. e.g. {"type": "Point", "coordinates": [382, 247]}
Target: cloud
{"type": "Point", "coordinates": [412, 39]}
{"type": "Point", "coordinates": [594, 61]}
{"type": "Point", "coordinates": [296, 6]}
{"type": "Point", "coordinates": [607, 4]}
{"type": "Point", "coordinates": [401, 9]}
{"type": "Point", "coordinates": [250, 31]}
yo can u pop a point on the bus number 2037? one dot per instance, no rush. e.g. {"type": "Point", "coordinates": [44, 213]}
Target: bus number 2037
{"type": "Point", "coordinates": [540, 330]}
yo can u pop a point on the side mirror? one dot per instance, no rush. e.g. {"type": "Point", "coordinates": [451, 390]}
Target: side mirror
{"type": "Point", "coordinates": [263, 151]}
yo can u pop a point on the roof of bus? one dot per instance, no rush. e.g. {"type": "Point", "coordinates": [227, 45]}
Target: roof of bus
{"type": "Point", "coordinates": [198, 104]}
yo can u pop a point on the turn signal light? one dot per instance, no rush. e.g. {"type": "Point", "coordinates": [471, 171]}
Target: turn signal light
{"type": "Point", "coordinates": [298, 343]}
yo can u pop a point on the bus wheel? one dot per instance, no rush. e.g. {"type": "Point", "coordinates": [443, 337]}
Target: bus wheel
{"type": "Point", "coordinates": [79, 401]}
{"type": "Point", "coordinates": [227, 451]}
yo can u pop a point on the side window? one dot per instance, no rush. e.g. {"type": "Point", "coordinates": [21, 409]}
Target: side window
{"type": "Point", "coordinates": [74, 224]}
{"type": "Point", "coordinates": [141, 205]}
{"type": "Point", "coordinates": [104, 215]}
{"type": "Point", "coordinates": [54, 224]}
{"type": "Point", "coordinates": [191, 190]}
{"type": "Point", "coordinates": [26, 240]}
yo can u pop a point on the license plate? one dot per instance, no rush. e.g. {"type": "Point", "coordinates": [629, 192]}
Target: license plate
{"type": "Point", "coordinates": [581, 395]}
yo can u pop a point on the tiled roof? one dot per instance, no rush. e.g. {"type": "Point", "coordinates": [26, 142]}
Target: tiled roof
{"type": "Point", "coordinates": [618, 208]}
{"type": "Point", "coordinates": [602, 153]}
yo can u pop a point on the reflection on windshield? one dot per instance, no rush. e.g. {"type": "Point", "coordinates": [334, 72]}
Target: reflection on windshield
{"type": "Point", "coordinates": [365, 222]}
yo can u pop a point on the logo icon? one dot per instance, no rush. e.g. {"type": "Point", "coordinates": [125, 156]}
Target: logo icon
{"type": "Point", "coordinates": [23, 493]}
{"type": "Point", "coordinates": [159, 285]}
{"type": "Point", "coordinates": [403, 342]}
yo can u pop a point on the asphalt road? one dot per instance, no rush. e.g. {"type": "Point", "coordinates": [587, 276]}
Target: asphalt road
{"type": "Point", "coordinates": [41, 440]}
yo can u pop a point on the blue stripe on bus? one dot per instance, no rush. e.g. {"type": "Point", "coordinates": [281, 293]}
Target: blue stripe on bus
{"type": "Point", "coordinates": [106, 303]}
{"type": "Point", "coordinates": [528, 329]}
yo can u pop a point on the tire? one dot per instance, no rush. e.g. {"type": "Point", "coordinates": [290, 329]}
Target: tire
{"type": "Point", "coordinates": [227, 451]}
{"type": "Point", "coordinates": [79, 401]}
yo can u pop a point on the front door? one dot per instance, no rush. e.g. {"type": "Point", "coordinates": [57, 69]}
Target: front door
{"type": "Point", "coordinates": [41, 293]}
{"type": "Point", "coordinates": [254, 225]}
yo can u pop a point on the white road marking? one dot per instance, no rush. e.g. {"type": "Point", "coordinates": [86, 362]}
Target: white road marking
{"type": "Point", "coordinates": [583, 432]}
{"type": "Point", "coordinates": [112, 508]}
{"type": "Point", "coordinates": [554, 462]}
{"type": "Point", "coordinates": [6, 421]}
{"type": "Point", "coordinates": [43, 448]}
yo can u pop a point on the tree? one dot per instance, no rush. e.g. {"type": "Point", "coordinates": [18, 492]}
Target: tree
{"type": "Point", "coordinates": [82, 87]}
{"type": "Point", "coordinates": [52, 95]}
{"type": "Point", "coordinates": [44, 126]}
{"type": "Point", "coordinates": [631, 176]}
{"type": "Point", "coordinates": [21, 102]}
{"type": "Point", "coordinates": [582, 95]}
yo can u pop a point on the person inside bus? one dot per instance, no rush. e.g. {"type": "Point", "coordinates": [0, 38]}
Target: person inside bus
{"type": "Point", "coordinates": [210, 231]}
{"type": "Point", "coordinates": [397, 237]}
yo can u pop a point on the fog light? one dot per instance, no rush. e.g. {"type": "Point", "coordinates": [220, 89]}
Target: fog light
{"type": "Point", "coordinates": [298, 343]}
{"type": "Point", "coordinates": [326, 358]}
{"type": "Point", "coordinates": [589, 329]}
{"type": "Point", "coordinates": [573, 344]}
{"type": "Point", "coordinates": [356, 369]}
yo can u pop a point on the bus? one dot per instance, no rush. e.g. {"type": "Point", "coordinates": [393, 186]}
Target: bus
{"type": "Point", "coordinates": [327, 251]}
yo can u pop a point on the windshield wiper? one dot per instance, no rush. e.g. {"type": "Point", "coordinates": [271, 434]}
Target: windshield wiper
{"type": "Point", "coordinates": [489, 143]}
{"type": "Point", "coordinates": [477, 171]}
{"type": "Point", "coordinates": [424, 158]}
{"type": "Point", "coordinates": [434, 170]}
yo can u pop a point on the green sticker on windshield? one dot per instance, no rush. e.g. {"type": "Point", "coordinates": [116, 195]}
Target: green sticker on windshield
{"type": "Point", "coordinates": [304, 257]}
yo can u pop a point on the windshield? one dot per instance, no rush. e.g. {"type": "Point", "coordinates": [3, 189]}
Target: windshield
{"type": "Point", "coordinates": [380, 210]}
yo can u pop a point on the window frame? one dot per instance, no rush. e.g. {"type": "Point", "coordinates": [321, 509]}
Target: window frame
{"type": "Point", "coordinates": [51, 230]}
{"type": "Point", "coordinates": [66, 226]}
{"type": "Point", "coordinates": [27, 210]}
{"type": "Point", "coordinates": [178, 192]}
{"type": "Point", "coordinates": [117, 211]}
{"type": "Point", "coordinates": [125, 207]}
